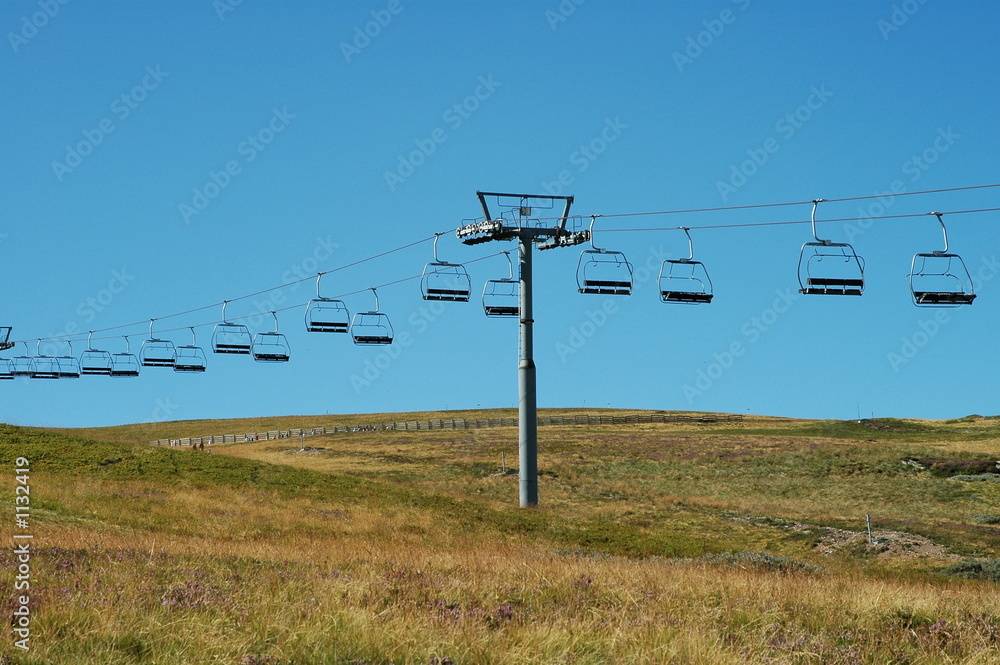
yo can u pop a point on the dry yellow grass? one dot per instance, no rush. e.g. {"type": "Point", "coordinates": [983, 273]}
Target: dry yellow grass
{"type": "Point", "coordinates": [424, 565]}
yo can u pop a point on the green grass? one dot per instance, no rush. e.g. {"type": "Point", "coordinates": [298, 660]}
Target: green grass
{"type": "Point", "coordinates": [62, 454]}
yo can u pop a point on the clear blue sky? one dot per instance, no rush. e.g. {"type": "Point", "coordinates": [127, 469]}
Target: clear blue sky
{"type": "Point", "coordinates": [291, 121]}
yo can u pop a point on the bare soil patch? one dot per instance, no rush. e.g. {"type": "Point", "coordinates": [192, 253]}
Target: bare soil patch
{"type": "Point", "coordinates": [885, 544]}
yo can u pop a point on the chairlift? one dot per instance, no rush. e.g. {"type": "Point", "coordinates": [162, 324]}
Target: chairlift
{"type": "Point", "coordinates": [94, 362]}
{"type": "Point", "coordinates": [371, 327]}
{"type": "Point", "coordinates": [445, 281]}
{"type": "Point", "coordinates": [156, 352]}
{"type": "Point", "coordinates": [190, 357]}
{"type": "Point", "coordinates": [327, 314]}
{"type": "Point", "coordinates": [69, 366]}
{"type": "Point", "coordinates": [21, 365]}
{"type": "Point", "coordinates": [270, 347]}
{"type": "Point", "coordinates": [43, 367]}
{"type": "Point", "coordinates": [501, 297]}
{"type": "Point", "coordinates": [685, 281]}
{"type": "Point", "coordinates": [6, 365]}
{"type": "Point", "coordinates": [603, 271]}
{"type": "Point", "coordinates": [829, 268]}
{"type": "Point", "coordinates": [231, 338]}
{"type": "Point", "coordinates": [940, 279]}
{"type": "Point", "coordinates": [124, 365]}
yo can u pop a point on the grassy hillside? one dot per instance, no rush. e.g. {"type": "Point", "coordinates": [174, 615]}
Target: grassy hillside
{"type": "Point", "coordinates": [145, 432]}
{"type": "Point", "coordinates": [653, 544]}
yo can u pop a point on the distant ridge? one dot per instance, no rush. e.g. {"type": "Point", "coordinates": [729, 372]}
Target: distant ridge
{"type": "Point", "coordinates": [453, 423]}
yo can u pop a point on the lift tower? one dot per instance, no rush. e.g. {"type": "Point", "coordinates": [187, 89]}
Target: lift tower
{"type": "Point", "coordinates": [516, 223]}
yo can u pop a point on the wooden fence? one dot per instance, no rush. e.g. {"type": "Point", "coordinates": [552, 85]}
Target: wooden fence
{"type": "Point", "coordinates": [451, 423]}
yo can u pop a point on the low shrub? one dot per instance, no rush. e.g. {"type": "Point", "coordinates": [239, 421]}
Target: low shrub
{"type": "Point", "coordinates": [763, 560]}
{"type": "Point", "coordinates": [975, 569]}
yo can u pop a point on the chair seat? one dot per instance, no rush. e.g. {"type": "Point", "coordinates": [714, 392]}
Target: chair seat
{"type": "Point", "coordinates": [447, 297]}
{"type": "Point", "coordinates": [372, 339]}
{"type": "Point", "coordinates": [842, 283]}
{"type": "Point", "coordinates": [324, 326]}
{"type": "Point", "coordinates": [606, 287]}
{"type": "Point", "coordinates": [830, 291]}
{"type": "Point", "coordinates": [944, 297]}
{"type": "Point", "coordinates": [685, 296]}
{"type": "Point", "coordinates": [277, 357]}
{"type": "Point", "coordinates": [502, 310]}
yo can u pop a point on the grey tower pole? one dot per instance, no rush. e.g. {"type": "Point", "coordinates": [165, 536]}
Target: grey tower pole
{"type": "Point", "coordinates": [519, 226]}
{"type": "Point", "coordinates": [527, 405]}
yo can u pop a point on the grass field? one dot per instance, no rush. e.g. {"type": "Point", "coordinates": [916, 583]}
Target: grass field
{"type": "Point", "coordinates": [662, 543]}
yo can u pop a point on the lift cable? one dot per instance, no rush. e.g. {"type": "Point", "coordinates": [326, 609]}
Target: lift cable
{"type": "Point", "coordinates": [797, 221]}
{"type": "Point", "coordinates": [145, 322]}
{"type": "Point", "coordinates": [755, 206]}
{"type": "Point", "coordinates": [280, 309]}
{"type": "Point", "coordinates": [611, 230]}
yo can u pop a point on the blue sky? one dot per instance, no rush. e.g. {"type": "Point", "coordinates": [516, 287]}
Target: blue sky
{"type": "Point", "coordinates": [161, 157]}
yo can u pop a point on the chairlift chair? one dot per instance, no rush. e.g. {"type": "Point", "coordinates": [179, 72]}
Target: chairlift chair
{"type": "Point", "coordinates": [501, 297]}
{"type": "Point", "coordinates": [94, 362]}
{"type": "Point", "coordinates": [445, 281]}
{"type": "Point", "coordinates": [371, 327]}
{"type": "Point", "coordinates": [603, 271]}
{"type": "Point", "coordinates": [69, 366]}
{"type": "Point", "coordinates": [327, 314]}
{"type": "Point", "coordinates": [6, 365]}
{"type": "Point", "coordinates": [126, 364]}
{"type": "Point", "coordinates": [940, 279]}
{"type": "Point", "coordinates": [231, 338]}
{"type": "Point", "coordinates": [271, 347]}
{"type": "Point", "coordinates": [190, 357]}
{"type": "Point", "coordinates": [42, 366]}
{"type": "Point", "coordinates": [829, 268]}
{"type": "Point", "coordinates": [685, 281]}
{"type": "Point", "coordinates": [21, 365]}
{"type": "Point", "coordinates": [157, 352]}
